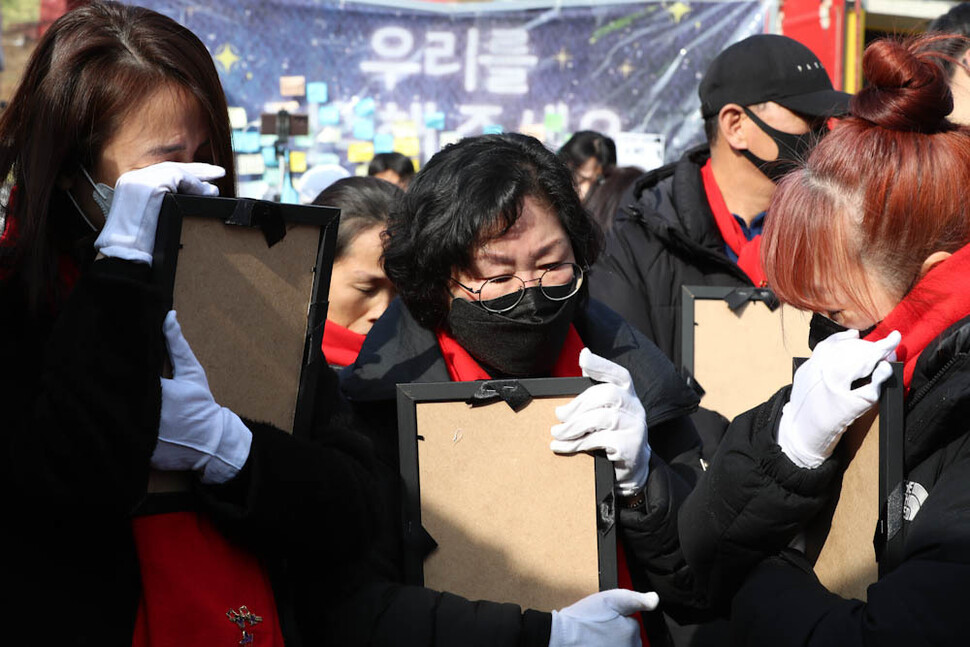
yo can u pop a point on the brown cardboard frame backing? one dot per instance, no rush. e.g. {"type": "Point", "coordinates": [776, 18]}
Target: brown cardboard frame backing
{"type": "Point", "coordinates": [252, 312]}
{"type": "Point", "coordinates": [513, 521]}
{"type": "Point", "coordinates": [739, 358]}
{"type": "Point", "coordinates": [850, 559]}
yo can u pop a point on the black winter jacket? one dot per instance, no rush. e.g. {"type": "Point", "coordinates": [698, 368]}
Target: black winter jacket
{"type": "Point", "coordinates": [753, 500]}
{"type": "Point", "coordinates": [80, 399]}
{"type": "Point", "coordinates": [398, 350]}
{"type": "Point", "coordinates": [664, 238]}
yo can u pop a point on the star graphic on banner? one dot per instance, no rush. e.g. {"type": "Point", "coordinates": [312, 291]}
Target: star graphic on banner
{"type": "Point", "coordinates": [227, 57]}
{"type": "Point", "coordinates": [678, 10]}
{"type": "Point", "coordinates": [563, 57]}
{"type": "Point", "coordinates": [626, 69]}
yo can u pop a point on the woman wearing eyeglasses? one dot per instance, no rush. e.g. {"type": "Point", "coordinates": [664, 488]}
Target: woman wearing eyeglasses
{"type": "Point", "coordinates": [489, 251]}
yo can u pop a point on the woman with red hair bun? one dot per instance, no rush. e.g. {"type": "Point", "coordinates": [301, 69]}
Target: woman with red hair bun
{"type": "Point", "coordinates": [873, 235]}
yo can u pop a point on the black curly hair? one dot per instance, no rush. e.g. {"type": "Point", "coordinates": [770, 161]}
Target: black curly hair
{"type": "Point", "coordinates": [468, 193]}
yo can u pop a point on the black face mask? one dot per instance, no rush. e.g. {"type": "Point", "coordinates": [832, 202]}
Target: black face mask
{"type": "Point", "coordinates": [821, 327]}
{"type": "Point", "coordinates": [523, 342]}
{"type": "Point", "coordinates": [793, 150]}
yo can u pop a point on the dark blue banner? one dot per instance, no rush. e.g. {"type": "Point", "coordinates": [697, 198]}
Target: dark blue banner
{"type": "Point", "coordinates": [414, 76]}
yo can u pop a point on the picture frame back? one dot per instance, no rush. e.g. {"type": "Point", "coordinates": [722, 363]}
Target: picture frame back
{"type": "Point", "coordinates": [872, 448]}
{"type": "Point", "coordinates": [513, 522]}
{"type": "Point", "coordinates": [249, 280]}
{"type": "Point", "coordinates": [740, 357]}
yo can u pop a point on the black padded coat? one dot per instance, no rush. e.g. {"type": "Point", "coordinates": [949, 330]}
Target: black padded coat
{"type": "Point", "coordinates": [664, 238]}
{"type": "Point", "coordinates": [753, 501]}
{"type": "Point", "coordinates": [80, 401]}
{"type": "Point", "coordinates": [398, 350]}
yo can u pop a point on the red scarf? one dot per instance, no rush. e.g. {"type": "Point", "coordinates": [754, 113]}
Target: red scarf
{"type": "Point", "coordinates": [8, 237]}
{"type": "Point", "coordinates": [747, 251]}
{"type": "Point", "coordinates": [341, 346]}
{"type": "Point", "coordinates": [939, 300]}
{"type": "Point", "coordinates": [462, 367]}
{"type": "Point", "coordinates": [192, 577]}
{"type": "Point", "coordinates": [68, 271]}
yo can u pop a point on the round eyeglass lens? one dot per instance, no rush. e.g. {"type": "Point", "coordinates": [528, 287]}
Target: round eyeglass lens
{"type": "Point", "coordinates": [501, 293]}
{"type": "Point", "coordinates": [561, 281]}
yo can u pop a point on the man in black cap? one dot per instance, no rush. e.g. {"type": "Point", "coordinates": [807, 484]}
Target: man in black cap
{"type": "Point", "coordinates": [765, 101]}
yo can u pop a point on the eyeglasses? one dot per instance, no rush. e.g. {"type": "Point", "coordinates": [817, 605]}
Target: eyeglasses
{"type": "Point", "coordinates": [502, 293]}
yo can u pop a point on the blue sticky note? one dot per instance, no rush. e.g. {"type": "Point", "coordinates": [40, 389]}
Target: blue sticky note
{"type": "Point", "coordinates": [237, 141]}
{"type": "Point", "coordinates": [302, 141]}
{"type": "Point", "coordinates": [492, 129]}
{"type": "Point", "coordinates": [363, 128]}
{"type": "Point", "coordinates": [316, 92]}
{"type": "Point", "coordinates": [245, 141]}
{"type": "Point", "coordinates": [269, 156]}
{"type": "Point", "coordinates": [435, 120]}
{"type": "Point", "coordinates": [267, 140]}
{"type": "Point", "coordinates": [383, 143]}
{"type": "Point", "coordinates": [326, 158]}
{"type": "Point", "coordinates": [365, 107]}
{"type": "Point", "coordinates": [328, 116]}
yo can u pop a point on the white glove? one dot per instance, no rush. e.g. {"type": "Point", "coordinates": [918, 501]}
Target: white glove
{"type": "Point", "coordinates": [601, 619]}
{"type": "Point", "coordinates": [129, 231]}
{"type": "Point", "coordinates": [607, 416]}
{"type": "Point", "coordinates": [195, 433]}
{"type": "Point", "coordinates": [823, 403]}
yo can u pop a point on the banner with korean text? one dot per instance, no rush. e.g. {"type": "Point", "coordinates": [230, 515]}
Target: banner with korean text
{"type": "Point", "coordinates": [412, 76]}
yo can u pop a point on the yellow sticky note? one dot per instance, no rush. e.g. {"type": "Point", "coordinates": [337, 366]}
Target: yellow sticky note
{"type": "Point", "coordinates": [292, 86]}
{"type": "Point", "coordinates": [417, 164]}
{"type": "Point", "coordinates": [535, 130]}
{"type": "Point", "coordinates": [360, 152]}
{"type": "Point", "coordinates": [237, 117]}
{"type": "Point", "coordinates": [402, 129]}
{"type": "Point", "coordinates": [297, 161]}
{"type": "Point", "coordinates": [361, 170]}
{"type": "Point", "coordinates": [409, 146]}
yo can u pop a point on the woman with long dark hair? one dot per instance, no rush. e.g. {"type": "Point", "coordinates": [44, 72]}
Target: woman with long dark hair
{"type": "Point", "coordinates": [118, 106]}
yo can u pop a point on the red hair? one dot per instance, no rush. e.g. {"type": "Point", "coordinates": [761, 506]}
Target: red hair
{"type": "Point", "coordinates": [880, 193]}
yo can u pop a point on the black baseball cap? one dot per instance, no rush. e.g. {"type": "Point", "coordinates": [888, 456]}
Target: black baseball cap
{"type": "Point", "coordinates": [768, 67]}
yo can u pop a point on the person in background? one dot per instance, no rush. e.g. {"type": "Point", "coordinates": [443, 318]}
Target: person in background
{"type": "Point", "coordinates": [872, 234]}
{"type": "Point", "coordinates": [605, 198]}
{"type": "Point", "coordinates": [697, 221]}
{"type": "Point", "coordinates": [118, 106]}
{"type": "Point", "coordinates": [395, 168]}
{"type": "Point", "coordinates": [589, 155]}
{"type": "Point", "coordinates": [359, 290]}
{"type": "Point", "coordinates": [955, 22]}
{"type": "Point", "coordinates": [488, 250]}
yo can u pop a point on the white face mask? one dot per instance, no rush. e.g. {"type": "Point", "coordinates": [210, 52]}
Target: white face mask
{"type": "Point", "coordinates": [102, 196]}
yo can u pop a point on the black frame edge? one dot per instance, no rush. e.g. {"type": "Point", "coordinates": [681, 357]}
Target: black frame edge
{"type": "Point", "coordinates": [891, 461]}
{"type": "Point", "coordinates": [410, 395]}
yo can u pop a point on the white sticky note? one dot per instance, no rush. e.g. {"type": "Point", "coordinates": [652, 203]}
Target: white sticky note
{"type": "Point", "coordinates": [237, 117]}
{"type": "Point", "coordinates": [250, 164]}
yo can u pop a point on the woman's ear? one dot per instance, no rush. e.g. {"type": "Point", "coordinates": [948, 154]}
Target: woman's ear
{"type": "Point", "coordinates": [932, 261]}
